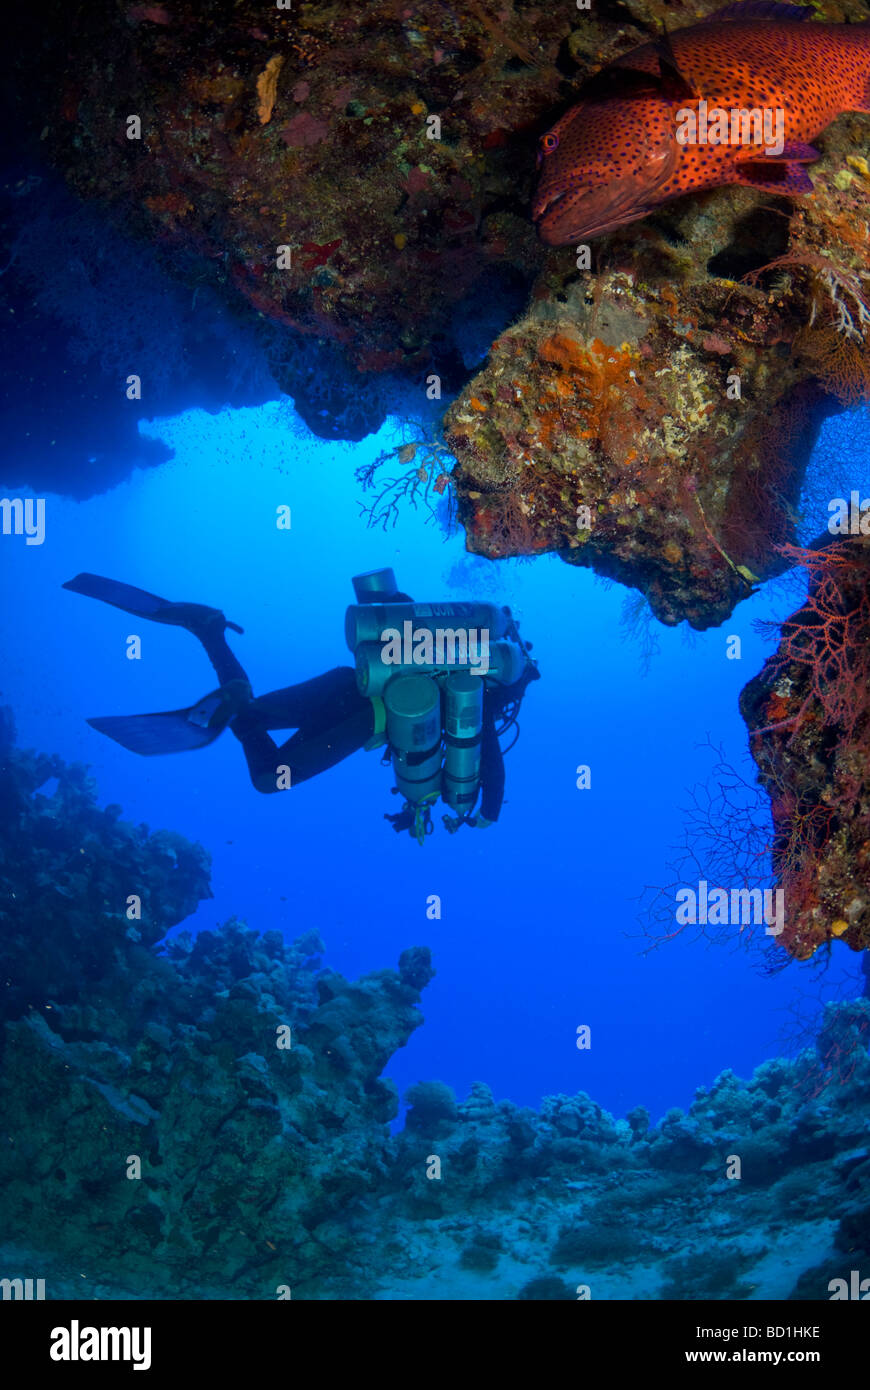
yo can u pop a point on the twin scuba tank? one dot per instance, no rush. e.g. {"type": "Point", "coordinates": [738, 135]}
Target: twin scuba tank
{"type": "Point", "coordinates": [423, 666]}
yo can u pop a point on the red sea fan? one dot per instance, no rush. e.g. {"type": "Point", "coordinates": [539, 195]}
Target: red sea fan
{"type": "Point", "coordinates": [829, 637]}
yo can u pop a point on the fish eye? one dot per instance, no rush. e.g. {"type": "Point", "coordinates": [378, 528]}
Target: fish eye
{"type": "Point", "coordinates": [549, 142]}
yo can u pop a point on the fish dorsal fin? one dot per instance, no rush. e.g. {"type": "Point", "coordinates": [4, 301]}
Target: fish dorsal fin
{"type": "Point", "coordinates": [673, 85]}
{"type": "Point", "coordinates": [762, 9]}
{"type": "Point", "coordinates": [618, 80]}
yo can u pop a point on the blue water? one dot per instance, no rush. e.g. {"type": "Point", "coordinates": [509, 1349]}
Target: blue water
{"type": "Point", "coordinates": [539, 930]}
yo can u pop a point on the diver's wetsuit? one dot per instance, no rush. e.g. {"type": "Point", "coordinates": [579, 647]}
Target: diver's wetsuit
{"type": "Point", "coordinates": [332, 720]}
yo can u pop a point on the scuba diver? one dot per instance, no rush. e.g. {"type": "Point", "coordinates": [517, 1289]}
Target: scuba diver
{"type": "Point", "coordinates": [435, 684]}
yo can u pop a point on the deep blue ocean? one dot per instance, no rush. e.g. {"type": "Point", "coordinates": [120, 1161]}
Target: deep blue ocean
{"type": "Point", "coordinates": [539, 930]}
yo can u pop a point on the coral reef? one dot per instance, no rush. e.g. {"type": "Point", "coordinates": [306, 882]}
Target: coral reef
{"type": "Point", "coordinates": [653, 419]}
{"type": "Point", "coordinates": [68, 875]}
{"type": "Point", "coordinates": [652, 413]}
{"type": "Point", "coordinates": [207, 1117]}
{"type": "Point", "coordinates": [389, 149]}
{"type": "Point", "coordinates": [245, 1081]}
{"type": "Point", "coordinates": [358, 180]}
{"type": "Point", "coordinates": [808, 712]}
{"type": "Point", "coordinates": [666, 1212]}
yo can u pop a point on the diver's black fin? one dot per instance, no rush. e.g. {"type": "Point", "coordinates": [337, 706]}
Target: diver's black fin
{"type": "Point", "coordinates": [141, 603]}
{"type": "Point", "coordinates": [174, 731]}
{"type": "Point", "coordinates": [154, 733]}
{"type": "Point", "coordinates": [125, 596]}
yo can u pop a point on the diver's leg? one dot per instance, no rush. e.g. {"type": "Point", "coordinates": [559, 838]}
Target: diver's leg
{"type": "Point", "coordinates": [261, 755]}
{"type": "Point", "coordinates": [317, 703]}
{"type": "Point", "coordinates": [210, 631]}
{"type": "Point", "coordinates": [305, 754]}
{"type": "Point", "coordinates": [333, 720]}
{"type": "Point", "coordinates": [309, 752]}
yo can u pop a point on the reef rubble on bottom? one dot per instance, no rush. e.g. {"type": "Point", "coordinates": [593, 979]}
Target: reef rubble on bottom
{"type": "Point", "coordinates": [160, 1139]}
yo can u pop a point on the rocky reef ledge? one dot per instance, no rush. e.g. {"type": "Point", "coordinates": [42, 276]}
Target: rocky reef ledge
{"type": "Point", "coordinates": [808, 715]}
{"type": "Point", "coordinates": [207, 1117]}
{"type": "Point", "coordinates": [354, 183]}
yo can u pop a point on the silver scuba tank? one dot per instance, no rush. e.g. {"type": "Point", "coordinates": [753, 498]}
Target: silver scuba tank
{"type": "Point", "coordinates": [373, 673]}
{"type": "Point", "coordinates": [463, 725]}
{"type": "Point", "coordinates": [367, 622]}
{"type": "Point", "coordinates": [503, 662]}
{"type": "Point", "coordinates": [413, 709]}
{"type": "Point", "coordinates": [374, 586]}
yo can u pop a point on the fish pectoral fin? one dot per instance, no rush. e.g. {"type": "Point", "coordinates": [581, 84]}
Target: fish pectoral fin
{"type": "Point", "coordinates": [792, 152]}
{"type": "Point", "coordinates": [773, 176]}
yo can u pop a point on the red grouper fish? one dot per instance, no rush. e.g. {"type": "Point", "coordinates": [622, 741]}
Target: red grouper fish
{"type": "Point", "coordinates": [736, 99]}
